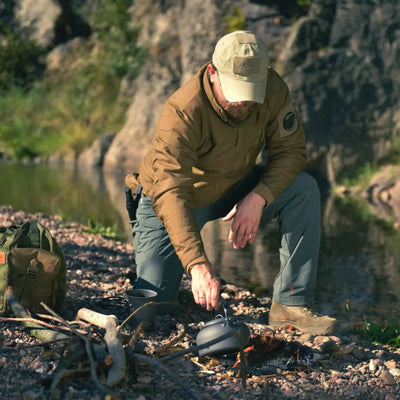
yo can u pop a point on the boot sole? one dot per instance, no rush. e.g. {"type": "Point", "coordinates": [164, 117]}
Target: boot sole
{"type": "Point", "coordinates": [280, 324]}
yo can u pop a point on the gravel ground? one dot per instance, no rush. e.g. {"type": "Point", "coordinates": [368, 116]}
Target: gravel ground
{"type": "Point", "coordinates": [279, 365]}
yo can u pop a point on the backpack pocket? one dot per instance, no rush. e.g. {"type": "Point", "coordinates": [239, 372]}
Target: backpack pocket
{"type": "Point", "coordinates": [33, 277]}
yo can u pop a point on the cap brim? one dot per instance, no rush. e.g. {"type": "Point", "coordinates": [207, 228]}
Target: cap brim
{"type": "Point", "coordinates": [236, 90]}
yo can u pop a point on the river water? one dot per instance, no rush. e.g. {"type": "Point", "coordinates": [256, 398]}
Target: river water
{"type": "Point", "coordinates": [359, 267]}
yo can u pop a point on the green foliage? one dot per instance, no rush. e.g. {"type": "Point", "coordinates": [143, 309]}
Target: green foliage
{"type": "Point", "coordinates": [20, 61]}
{"type": "Point", "coordinates": [72, 105]}
{"type": "Point", "coordinates": [24, 119]}
{"type": "Point", "coordinates": [236, 21]}
{"type": "Point", "coordinates": [389, 334]}
{"type": "Point", "coordinates": [304, 4]}
{"type": "Point", "coordinates": [360, 176]}
{"type": "Point", "coordinates": [106, 231]}
{"type": "Point", "coordinates": [112, 23]}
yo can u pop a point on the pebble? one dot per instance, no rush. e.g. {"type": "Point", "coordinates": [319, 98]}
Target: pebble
{"type": "Point", "coordinates": [359, 354]}
{"type": "Point", "coordinates": [374, 364]}
{"type": "Point", "coordinates": [390, 364]}
{"type": "Point", "coordinates": [387, 378]}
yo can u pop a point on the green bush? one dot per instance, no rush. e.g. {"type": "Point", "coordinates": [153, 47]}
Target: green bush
{"type": "Point", "coordinates": [113, 24]}
{"type": "Point", "coordinates": [389, 334]}
{"type": "Point", "coordinates": [236, 21]}
{"type": "Point", "coordinates": [20, 61]}
{"type": "Point", "coordinates": [72, 106]}
{"type": "Point", "coordinates": [24, 126]}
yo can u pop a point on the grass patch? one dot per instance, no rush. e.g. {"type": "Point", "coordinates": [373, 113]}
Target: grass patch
{"type": "Point", "coordinates": [96, 228]}
{"type": "Point", "coordinates": [388, 335]}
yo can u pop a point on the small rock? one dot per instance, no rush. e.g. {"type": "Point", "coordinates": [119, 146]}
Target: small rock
{"type": "Point", "coordinates": [374, 364]}
{"type": "Point", "coordinates": [390, 364]}
{"type": "Point", "coordinates": [314, 375]}
{"type": "Point", "coordinates": [303, 374]}
{"type": "Point", "coordinates": [387, 378]}
{"type": "Point", "coordinates": [359, 354]}
{"type": "Point", "coordinates": [395, 372]}
{"type": "Point", "coordinates": [144, 379]}
{"type": "Point", "coordinates": [320, 340]}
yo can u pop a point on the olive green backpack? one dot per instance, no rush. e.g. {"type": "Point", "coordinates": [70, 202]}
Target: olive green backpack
{"type": "Point", "coordinates": [33, 265]}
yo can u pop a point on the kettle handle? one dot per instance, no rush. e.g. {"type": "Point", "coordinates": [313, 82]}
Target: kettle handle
{"type": "Point", "coordinates": [224, 308]}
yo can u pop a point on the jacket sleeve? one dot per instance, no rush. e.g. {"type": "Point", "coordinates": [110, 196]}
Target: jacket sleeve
{"type": "Point", "coordinates": [285, 143]}
{"type": "Point", "coordinates": [174, 148]}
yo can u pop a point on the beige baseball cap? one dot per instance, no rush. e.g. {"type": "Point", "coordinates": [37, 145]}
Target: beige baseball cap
{"type": "Point", "coordinates": [241, 59]}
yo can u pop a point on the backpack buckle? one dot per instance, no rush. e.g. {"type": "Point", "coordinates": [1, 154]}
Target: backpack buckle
{"type": "Point", "coordinates": [32, 269]}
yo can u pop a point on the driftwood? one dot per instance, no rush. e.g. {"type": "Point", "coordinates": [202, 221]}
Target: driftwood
{"type": "Point", "coordinates": [109, 323]}
{"type": "Point", "coordinates": [115, 348]}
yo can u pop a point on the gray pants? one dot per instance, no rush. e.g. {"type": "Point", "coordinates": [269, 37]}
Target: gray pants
{"type": "Point", "coordinates": [297, 209]}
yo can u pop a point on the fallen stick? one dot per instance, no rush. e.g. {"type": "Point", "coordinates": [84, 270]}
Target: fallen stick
{"type": "Point", "coordinates": [88, 348]}
{"type": "Point", "coordinates": [162, 350]}
{"type": "Point", "coordinates": [134, 337]}
{"type": "Point", "coordinates": [21, 346]}
{"type": "Point", "coordinates": [34, 320]}
{"type": "Point", "coordinates": [109, 323]}
{"type": "Point", "coordinates": [35, 329]}
{"type": "Point", "coordinates": [141, 308]}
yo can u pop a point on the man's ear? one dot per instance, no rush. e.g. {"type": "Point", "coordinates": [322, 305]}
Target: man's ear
{"type": "Point", "coordinates": [212, 72]}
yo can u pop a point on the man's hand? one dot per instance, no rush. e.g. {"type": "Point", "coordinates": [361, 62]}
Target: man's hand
{"type": "Point", "coordinates": [205, 287]}
{"type": "Point", "coordinates": [246, 219]}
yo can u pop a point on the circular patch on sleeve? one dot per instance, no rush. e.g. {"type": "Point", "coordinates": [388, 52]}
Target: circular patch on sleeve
{"type": "Point", "coordinates": [289, 121]}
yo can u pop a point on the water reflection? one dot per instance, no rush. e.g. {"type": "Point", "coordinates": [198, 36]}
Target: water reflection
{"type": "Point", "coordinates": [359, 268]}
{"type": "Point", "coordinates": [76, 194]}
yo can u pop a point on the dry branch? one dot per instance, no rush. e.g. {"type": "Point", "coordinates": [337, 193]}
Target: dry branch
{"type": "Point", "coordinates": [36, 321]}
{"type": "Point", "coordinates": [109, 323]}
{"type": "Point", "coordinates": [35, 329]}
{"type": "Point", "coordinates": [150, 303]}
{"type": "Point", "coordinates": [163, 350]}
{"type": "Point", "coordinates": [88, 347]}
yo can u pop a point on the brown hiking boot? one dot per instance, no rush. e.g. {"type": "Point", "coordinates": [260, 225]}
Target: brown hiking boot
{"type": "Point", "coordinates": [301, 318]}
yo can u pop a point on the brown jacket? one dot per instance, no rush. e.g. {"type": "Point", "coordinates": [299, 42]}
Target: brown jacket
{"type": "Point", "coordinates": [197, 155]}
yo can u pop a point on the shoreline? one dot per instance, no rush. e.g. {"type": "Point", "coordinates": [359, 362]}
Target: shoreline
{"type": "Point", "coordinates": [99, 271]}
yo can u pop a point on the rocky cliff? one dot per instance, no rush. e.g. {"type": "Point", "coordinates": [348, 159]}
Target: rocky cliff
{"type": "Point", "coordinates": [341, 62]}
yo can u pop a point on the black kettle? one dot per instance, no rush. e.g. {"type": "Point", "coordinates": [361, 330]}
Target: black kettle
{"type": "Point", "coordinates": [233, 333]}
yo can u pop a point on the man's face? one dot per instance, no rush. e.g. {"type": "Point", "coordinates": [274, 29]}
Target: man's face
{"type": "Point", "coordinates": [237, 111]}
